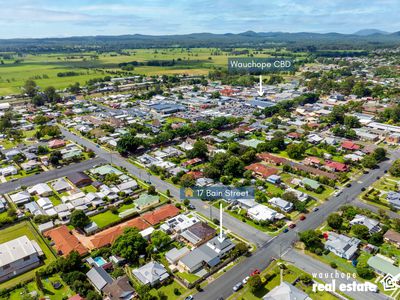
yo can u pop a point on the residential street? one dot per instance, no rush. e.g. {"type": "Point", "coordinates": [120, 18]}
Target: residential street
{"type": "Point", "coordinates": [50, 175]}
{"type": "Point", "coordinates": [268, 248]}
{"type": "Point", "coordinates": [248, 232]}
{"type": "Point", "coordinates": [306, 263]}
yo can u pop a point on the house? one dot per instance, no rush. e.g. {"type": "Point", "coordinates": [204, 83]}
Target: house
{"type": "Point", "coordinates": [394, 199]}
{"type": "Point", "coordinates": [40, 189]}
{"type": "Point", "coordinates": [335, 166]}
{"type": "Point", "coordinates": [145, 200]}
{"type": "Point", "coordinates": [151, 273]}
{"type": "Point", "coordinates": [393, 237]}
{"type": "Point", "coordinates": [261, 213]}
{"type": "Point", "coordinates": [3, 204]}
{"type": "Point", "coordinates": [312, 161]}
{"type": "Point", "coordinates": [54, 144]}
{"type": "Point", "coordinates": [128, 187]}
{"type": "Point", "coordinates": [18, 256]}
{"type": "Point", "coordinates": [373, 225]}
{"type": "Point", "coordinates": [207, 255]}
{"type": "Point", "coordinates": [314, 185]}
{"type": "Point", "coordinates": [160, 214]}
{"type": "Point", "coordinates": [64, 241]}
{"type": "Point", "coordinates": [274, 179]}
{"type": "Point", "coordinates": [342, 245]}
{"type": "Point", "coordinates": [8, 171]}
{"type": "Point", "coordinates": [61, 185]}
{"type": "Point", "coordinates": [79, 179]}
{"type": "Point", "coordinates": [261, 170]}
{"type": "Point", "coordinates": [383, 265]}
{"type": "Point", "coordinates": [99, 278]}
{"type": "Point", "coordinates": [180, 223]}
{"type": "Point", "coordinates": [349, 145]}
{"type": "Point", "coordinates": [286, 291]}
{"type": "Point", "coordinates": [174, 255]}
{"type": "Point", "coordinates": [119, 289]}
{"type": "Point", "coordinates": [198, 234]}
{"type": "Point", "coordinates": [271, 159]}
{"type": "Point", "coordinates": [246, 203]}
{"type": "Point", "coordinates": [284, 205]}
{"type": "Point", "coordinates": [20, 197]}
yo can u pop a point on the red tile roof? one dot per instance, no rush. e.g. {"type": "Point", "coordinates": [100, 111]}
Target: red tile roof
{"type": "Point", "coordinates": [262, 170]}
{"type": "Point", "coordinates": [160, 214]}
{"type": "Point", "coordinates": [337, 166]}
{"type": "Point", "coordinates": [271, 158]}
{"type": "Point", "coordinates": [65, 242]}
{"type": "Point", "coordinates": [191, 162]}
{"type": "Point", "coordinates": [108, 236]}
{"type": "Point", "coordinates": [349, 145]}
{"type": "Point", "coordinates": [196, 174]}
{"type": "Point", "coordinates": [76, 297]}
{"type": "Point", "coordinates": [312, 160]}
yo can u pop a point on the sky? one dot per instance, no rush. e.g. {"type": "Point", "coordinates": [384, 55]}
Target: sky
{"type": "Point", "coordinates": [54, 18]}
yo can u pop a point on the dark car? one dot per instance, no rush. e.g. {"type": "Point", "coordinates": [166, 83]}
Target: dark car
{"type": "Point", "coordinates": [316, 209]}
{"type": "Point", "coordinates": [285, 230]}
{"type": "Point", "coordinates": [302, 217]}
{"type": "Point", "coordinates": [292, 225]}
{"type": "Point", "coordinates": [362, 189]}
{"type": "Point", "coordinates": [348, 185]}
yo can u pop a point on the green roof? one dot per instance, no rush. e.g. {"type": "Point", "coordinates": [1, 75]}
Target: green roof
{"type": "Point", "coordinates": [312, 183]}
{"type": "Point", "coordinates": [146, 200]}
{"type": "Point", "coordinates": [251, 143]}
{"type": "Point", "coordinates": [106, 169]}
{"type": "Point", "coordinates": [383, 266]}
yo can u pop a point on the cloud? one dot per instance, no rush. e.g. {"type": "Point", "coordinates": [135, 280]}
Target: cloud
{"type": "Point", "coordinates": [20, 18]}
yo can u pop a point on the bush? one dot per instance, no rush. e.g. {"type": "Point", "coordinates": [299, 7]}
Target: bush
{"type": "Point", "coordinates": [333, 265]}
{"type": "Point", "coordinates": [177, 292]}
{"type": "Point", "coordinates": [318, 251]}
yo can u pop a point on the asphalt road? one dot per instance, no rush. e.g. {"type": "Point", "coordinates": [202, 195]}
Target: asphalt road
{"type": "Point", "coordinates": [250, 233]}
{"type": "Point", "coordinates": [268, 248]}
{"type": "Point", "coordinates": [50, 175]}
{"type": "Point", "coordinates": [310, 265]}
{"type": "Point", "coordinates": [276, 247]}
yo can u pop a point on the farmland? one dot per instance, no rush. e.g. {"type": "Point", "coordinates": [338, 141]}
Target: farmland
{"type": "Point", "coordinates": [44, 68]}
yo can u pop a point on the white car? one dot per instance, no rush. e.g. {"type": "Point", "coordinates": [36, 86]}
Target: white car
{"type": "Point", "coordinates": [337, 193]}
{"type": "Point", "coordinates": [246, 279]}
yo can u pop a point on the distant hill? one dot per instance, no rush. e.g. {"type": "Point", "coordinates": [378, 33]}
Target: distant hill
{"type": "Point", "coordinates": [366, 32]}
{"type": "Point", "coordinates": [301, 41]}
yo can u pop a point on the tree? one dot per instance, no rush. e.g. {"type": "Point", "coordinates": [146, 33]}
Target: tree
{"type": "Point", "coordinates": [187, 180]}
{"type": "Point", "coordinates": [38, 281]}
{"type": "Point", "coordinates": [379, 154]}
{"type": "Point", "coordinates": [234, 167]}
{"type": "Point", "coordinates": [55, 157]}
{"type": "Point", "coordinates": [92, 295]}
{"type": "Point", "coordinates": [128, 143]}
{"type": "Point", "coordinates": [79, 219]}
{"type": "Point", "coordinates": [160, 239]}
{"type": "Point", "coordinates": [376, 239]}
{"type": "Point", "coordinates": [212, 172]}
{"type": "Point", "coordinates": [295, 151]}
{"type": "Point", "coordinates": [351, 122]}
{"type": "Point", "coordinates": [199, 150]}
{"type": "Point", "coordinates": [364, 271]}
{"type": "Point", "coordinates": [335, 221]}
{"type": "Point", "coordinates": [151, 190]}
{"type": "Point", "coordinates": [395, 168]}
{"type": "Point", "coordinates": [369, 161]}
{"type": "Point", "coordinates": [42, 149]}
{"type": "Point", "coordinates": [30, 88]}
{"type": "Point", "coordinates": [255, 283]}
{"type": "Point", "coordinates": [311, 239]}
{"type": "Point", "coordinates": [361, 231]}
{"type": "Point", "coordinates": [240, 249]}
{"type": "Point", "coordinates": [130, 245]}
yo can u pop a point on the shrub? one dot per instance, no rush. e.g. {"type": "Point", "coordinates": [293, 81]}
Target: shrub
{"type": "Point", "coordinates": [333, 265]}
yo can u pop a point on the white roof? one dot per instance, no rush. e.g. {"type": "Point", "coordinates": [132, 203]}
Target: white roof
{"type": "Point", "coordinates": [15, 250]}
{"type": "Point", "coordinates": [261, 213]}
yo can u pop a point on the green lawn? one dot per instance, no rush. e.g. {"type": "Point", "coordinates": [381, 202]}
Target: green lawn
{"type": "Point", "coordinates": [20, 229]}
{"type": "Point", "coordinates": [290, 275]}
{"type": "Point", "coordinates": [49, 291]}
{"type": "Point", "coordinates": [55, 200]}
{"type": "Point", "coordinates": [168, 290]}
{"type": "Point", "coordinates": [105, 218]}
{"type": "Point", "coordinates": [89, 189]}
{"type": "Point", "coordinates": [189, 277]}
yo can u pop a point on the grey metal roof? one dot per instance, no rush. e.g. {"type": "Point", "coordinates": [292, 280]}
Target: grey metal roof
{"type": "Point", "coordinates": [99, 277]}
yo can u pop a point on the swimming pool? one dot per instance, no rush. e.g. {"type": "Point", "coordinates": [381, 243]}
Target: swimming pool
{"type": "Point", "coordinates": [99, 261]}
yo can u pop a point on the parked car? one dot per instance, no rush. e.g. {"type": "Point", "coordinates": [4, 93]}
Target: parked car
{"type": "Point", "coordinates": [244, 281]}
{"type": "Point", "coordinates": [237, 286]}
{"type": "Point", "coordinates": [292, 225]}
{"type": "Point", "coordinates": [285, 230]}
{"type": "Point", "coordinates": [255, 272]}
{"type": "Point", "coordinates": [337, 193]}
{"type": "Point", "coordinates": [348, 185]}
{"type": "Point", "coordinates": [362, 189]}
{"type": "Point", "coordinates": [302, 217]}
{"type": "Point", "coordinates": [316, 209]}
